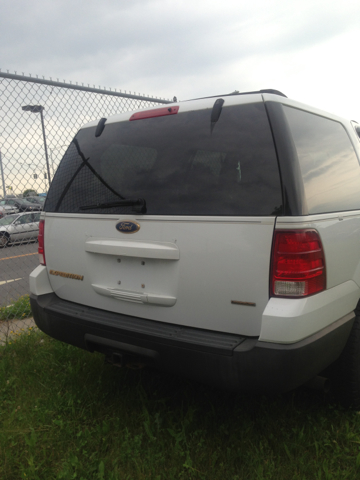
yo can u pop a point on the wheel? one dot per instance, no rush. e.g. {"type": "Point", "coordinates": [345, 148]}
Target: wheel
{"type": "Point", "coordinates": [4, 240]}
{"type": "Point", "coordinates": [345, 376]}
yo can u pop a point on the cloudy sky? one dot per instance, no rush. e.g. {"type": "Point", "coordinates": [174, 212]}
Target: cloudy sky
{"type": "Point", "coordinates": [309, 50]}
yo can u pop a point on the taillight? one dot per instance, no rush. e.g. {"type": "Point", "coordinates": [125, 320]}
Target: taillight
{"type": "Point", "coordinates": [41, 247]}
{"type": "Point", "coordinates": [298, 264]}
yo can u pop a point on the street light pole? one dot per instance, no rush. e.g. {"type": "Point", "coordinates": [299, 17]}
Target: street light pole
{"type": "Point", "coordinates": [2, 176]}
{"type": "Point", "coordinates": [46, 153]}
{"type": "Point", "coordinates": [40, 109]}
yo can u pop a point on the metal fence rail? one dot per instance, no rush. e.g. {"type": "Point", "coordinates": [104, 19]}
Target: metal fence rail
{"type": "Point", "coordinates": [32, 142]}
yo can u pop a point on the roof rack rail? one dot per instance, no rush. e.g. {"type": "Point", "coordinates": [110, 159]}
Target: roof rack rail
{"type": "Point", "coordinates": [267, 90]}
{"type": "Point", "coordinates": [275, 92]}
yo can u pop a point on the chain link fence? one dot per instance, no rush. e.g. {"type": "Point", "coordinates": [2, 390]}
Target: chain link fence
{"type": "Point", "coordinates": [38, 119]}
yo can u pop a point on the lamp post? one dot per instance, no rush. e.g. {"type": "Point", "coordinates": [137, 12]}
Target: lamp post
{"type": "Point", "coordinates": [2, 176]}
{"type": "Point", "coordinates": [40, 109]}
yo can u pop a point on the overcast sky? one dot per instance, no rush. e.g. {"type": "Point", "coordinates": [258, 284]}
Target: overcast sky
{"type": "Point", "coordinates": [309, 50]}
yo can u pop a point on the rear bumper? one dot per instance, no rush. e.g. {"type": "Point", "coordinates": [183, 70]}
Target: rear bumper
{"type": "Point", "coordinates": [224, 360]}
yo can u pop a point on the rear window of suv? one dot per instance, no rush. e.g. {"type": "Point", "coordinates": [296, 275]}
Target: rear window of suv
{"type": "Point", "coordinates": [177, 163]}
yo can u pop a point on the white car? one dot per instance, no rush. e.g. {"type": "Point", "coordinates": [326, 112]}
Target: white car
{"type": "Point", "coordinates": [7, 210]}
{"type": "Point", "coordinates": [19, 228]}
{"type": "Point", "coordinates": [217, 238]}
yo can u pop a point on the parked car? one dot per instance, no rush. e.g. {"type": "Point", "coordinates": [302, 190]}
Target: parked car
{"type": "Point", "coordinates": [216, 238]}
{"type": "Point", "coordinates": [22, 204]}
{"type": "Point", "coordinates": [7, 210]}
{"type": "Point", "coordinates": [37, 200]}
{"type": "Point", "coordinates": [19, 228]}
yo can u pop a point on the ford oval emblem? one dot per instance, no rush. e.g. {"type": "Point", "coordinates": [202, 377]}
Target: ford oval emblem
{"type": "Point", "coordinates": [128, 226]}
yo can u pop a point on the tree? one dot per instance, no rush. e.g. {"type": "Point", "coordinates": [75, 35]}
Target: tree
{"type": "Point", "coordinates": [29, 193]}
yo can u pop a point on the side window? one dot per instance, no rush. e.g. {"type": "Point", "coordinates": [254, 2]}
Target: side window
{"type": "Point", "coordinates": [25, 219]}
{"type": "Point", "coordinates": [328, 162]}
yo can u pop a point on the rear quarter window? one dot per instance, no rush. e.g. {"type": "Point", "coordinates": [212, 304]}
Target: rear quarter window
{"type": "Point", "coordinates": [328, 162]}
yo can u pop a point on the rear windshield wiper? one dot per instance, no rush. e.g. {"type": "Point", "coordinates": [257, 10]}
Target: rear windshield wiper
{"type": "Point", "coordinates": [138, 204]}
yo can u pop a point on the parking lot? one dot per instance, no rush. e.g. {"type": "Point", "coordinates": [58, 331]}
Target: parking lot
{"type": "Point", "coordinates": [16, 263]}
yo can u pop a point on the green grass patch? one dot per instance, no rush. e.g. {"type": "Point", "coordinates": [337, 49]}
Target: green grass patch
{"type": "Point", "coordinates": [64, 414]}
{"type": "Point", "coordinates": [18, 309]}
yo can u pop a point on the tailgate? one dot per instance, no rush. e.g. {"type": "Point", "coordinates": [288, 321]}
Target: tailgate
{"type": "Point", "coordinates": [210, 273]}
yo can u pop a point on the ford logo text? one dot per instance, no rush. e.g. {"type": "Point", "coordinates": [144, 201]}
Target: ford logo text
{"type": "Point", "coordinates": [128, 227]}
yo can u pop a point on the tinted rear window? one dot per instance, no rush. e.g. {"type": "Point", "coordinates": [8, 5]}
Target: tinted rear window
{"type": "Point", "coordinates": [328, 162]}
{"type": "Point", "coordinates": [176, 163]}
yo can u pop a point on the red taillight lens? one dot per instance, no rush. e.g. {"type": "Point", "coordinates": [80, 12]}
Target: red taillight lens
{"type": "Point", "coordinates": [41, 247]}
{"type": "Point", "coordinates": [298, 264]}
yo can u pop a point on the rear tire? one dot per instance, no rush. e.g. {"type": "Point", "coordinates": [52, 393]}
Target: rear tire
{"type": "Point", "coordinates": [345, 376]}
{"type": "Point", "coordinates": [4, 240]}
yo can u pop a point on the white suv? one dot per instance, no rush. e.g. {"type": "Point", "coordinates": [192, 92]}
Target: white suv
{"type": "Point", "coordinates": [216, 238]}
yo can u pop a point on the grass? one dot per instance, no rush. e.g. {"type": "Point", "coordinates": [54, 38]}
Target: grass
{"type": "Point", "coordinates": [19, 309]}
{"type": "Point", "coordinates": [64, 414]}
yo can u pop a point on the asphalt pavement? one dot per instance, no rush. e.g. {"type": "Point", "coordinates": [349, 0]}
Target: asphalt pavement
{"type": "Point", "coordinates": [16, 264]}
